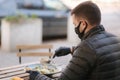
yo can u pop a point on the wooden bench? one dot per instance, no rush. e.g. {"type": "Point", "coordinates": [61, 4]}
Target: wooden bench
{"type": "Point", "coordinates": [32, 47]}
{"type": "Point", "coordinates": [19, 71]}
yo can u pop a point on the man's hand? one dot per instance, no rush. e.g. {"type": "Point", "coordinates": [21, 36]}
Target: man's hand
{"type": "Point", "coordinates": [33, 74]}
{"type": "Point", "coordinates": [62, 51]}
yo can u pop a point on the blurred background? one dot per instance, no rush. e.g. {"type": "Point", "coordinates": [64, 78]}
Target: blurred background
{"type": "Point", "coordinates": [55, 13]}
{"type": "Point", "coordinates": [57, 28]}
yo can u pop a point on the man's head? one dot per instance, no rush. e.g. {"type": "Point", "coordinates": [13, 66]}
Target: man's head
{"type": "Point", "coordinates": [86, 13]}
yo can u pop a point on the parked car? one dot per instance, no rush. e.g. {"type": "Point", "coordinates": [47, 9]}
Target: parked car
{"type": "Point", "coordinates": [53, 13]}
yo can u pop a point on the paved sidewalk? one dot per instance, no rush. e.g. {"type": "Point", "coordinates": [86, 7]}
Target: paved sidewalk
{"type": "Point", "coordinates": [9, 59]}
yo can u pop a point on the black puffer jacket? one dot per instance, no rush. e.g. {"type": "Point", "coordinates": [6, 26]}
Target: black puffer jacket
{"type": "Point", "coordinates": [97, 57]}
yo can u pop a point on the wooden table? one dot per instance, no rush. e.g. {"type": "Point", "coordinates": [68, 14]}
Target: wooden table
{"type": "Point", "coordinates": [19, 70]}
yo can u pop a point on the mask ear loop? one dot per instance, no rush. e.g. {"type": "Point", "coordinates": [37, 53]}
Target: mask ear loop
{"type": "Point", "coordinates": [79, 24]}
{"type": "Point", "coordinates": [85, 28]}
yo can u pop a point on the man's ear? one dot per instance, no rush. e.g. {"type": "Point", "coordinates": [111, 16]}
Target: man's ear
{"type": "Point", "coordinates": [83, 23]}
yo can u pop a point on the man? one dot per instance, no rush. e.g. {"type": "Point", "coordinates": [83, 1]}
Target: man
{"type": "Point", "coordinates": [97, 57]}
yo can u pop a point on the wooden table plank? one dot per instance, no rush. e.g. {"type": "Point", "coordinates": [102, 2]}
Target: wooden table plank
{"type": "Point", "coordinates": [11, 70]}
{"type": "Point", "coordinates": [18, 66]}
{"type": "Point", "coordinates": [11, 74]}
{"type": "Point", "coordinates": [24, 76]}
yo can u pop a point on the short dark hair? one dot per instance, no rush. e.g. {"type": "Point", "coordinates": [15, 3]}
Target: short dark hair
{"type": "Point", "coordinates": [88, 10]}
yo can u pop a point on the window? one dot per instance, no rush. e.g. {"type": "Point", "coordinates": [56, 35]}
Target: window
{"type": "Point", "coordinates": [54, 5]}
{"type": "Point", "coordinates": [30, 4]}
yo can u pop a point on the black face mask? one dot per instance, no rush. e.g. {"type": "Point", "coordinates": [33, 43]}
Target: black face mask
{"type": "Point", "coordinates": [80, 34]}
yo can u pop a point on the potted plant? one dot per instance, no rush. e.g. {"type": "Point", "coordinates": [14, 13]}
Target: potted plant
{"type": "Point", "coordinates": [19, 30]}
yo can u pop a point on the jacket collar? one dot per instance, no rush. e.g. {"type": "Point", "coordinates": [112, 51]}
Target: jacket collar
{"type": "Point", "coordinates": [93, 31]}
